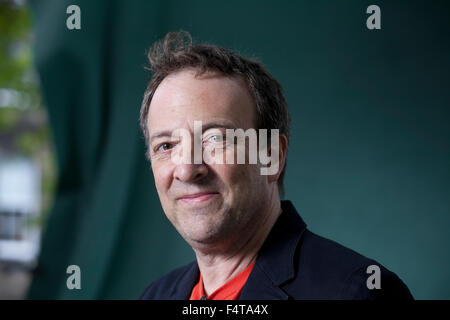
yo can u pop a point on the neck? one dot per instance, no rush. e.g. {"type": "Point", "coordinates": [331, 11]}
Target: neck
{"type": "Point", "coordinates": [227, 260]}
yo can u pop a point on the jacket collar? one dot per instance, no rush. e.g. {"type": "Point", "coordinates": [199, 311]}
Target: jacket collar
{"type": "Point", "coordinates": [274, 264]}
{"type": "Point", "coordinates": [182, 287]}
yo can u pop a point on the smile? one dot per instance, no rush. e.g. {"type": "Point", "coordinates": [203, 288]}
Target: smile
{"type": "Point", "coordinates": [198, 198]}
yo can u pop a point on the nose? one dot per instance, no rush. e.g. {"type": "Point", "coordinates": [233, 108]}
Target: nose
{"type": "Point", "coordinates": [190, 172]}
{"type": "Point", "coordinates": [187, 166]}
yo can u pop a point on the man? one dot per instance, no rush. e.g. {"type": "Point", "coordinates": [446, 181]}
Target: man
{"type": "Point", "coordinates": [248, 244]}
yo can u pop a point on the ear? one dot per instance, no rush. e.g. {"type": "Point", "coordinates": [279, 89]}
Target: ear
{"type": "Point", "coordinates": [282, 152]}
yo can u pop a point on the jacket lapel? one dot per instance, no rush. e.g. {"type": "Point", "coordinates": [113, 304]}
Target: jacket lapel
{"type": "Point", "coordinates": [275, 263]}
{"type": "Point", "coordinates": [183, 286]}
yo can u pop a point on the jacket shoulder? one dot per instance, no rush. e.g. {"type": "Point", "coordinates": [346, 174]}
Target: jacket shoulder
{"type": "Point", "coordinates": [164, 287]}
{"type": "Point", "coordinates": [329, 270]}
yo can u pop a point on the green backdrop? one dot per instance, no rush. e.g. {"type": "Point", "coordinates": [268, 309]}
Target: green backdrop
{"type": "Point", "coordinates": [369, 158]}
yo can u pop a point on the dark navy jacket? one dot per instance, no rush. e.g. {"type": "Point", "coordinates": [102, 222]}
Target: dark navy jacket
{"type": "Point", "coordinates": [294, 263]}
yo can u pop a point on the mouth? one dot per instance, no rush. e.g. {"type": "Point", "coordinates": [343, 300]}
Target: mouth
{"type": "Point", "coordinates": [198, 197]}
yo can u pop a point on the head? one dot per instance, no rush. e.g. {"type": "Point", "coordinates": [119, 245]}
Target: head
{"type": "Point", "coordinates": [222, 90]}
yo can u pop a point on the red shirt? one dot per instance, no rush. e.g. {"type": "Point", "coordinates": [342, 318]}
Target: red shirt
{"type": "Point", "coordinates": [229, 291]}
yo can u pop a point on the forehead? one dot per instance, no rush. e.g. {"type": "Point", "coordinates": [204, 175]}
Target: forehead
{"type": "Point", "coordinates": [183, 98]}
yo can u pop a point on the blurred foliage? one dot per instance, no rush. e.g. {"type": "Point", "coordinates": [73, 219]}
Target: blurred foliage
{"type": "Point", "coordinates": [23, 121]}
{"type": "Point", "coordinates": [9, 117]}
{"type": "Point", "coordinates": [15, 54]}
{"type": "Point", "coordinates": [29, 143]}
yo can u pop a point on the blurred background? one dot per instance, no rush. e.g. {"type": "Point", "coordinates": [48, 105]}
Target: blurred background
{"type": "Point", "coordinates": [368, 161]}
{"type": "Point", "coordinates": [27, 163]}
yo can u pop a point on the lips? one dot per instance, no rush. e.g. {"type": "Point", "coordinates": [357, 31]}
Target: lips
{"type": "Point", "coordinates": [198, 197]}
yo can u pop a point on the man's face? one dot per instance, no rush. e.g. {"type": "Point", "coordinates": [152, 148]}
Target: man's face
{"type": "Point", "coordinates": [235, 193]}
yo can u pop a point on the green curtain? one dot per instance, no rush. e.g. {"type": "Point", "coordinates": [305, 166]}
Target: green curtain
{"type": "Point", "coordinates": [368, 158]}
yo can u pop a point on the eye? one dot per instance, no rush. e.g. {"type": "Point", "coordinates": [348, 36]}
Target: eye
{"type": "Point", "coordinates": [216, 138]}
{"type": "Point", "coordinates": [163, 147]}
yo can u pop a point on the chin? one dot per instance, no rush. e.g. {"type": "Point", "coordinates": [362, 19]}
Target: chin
{"type": "Point", "coordinates": [206, 235]}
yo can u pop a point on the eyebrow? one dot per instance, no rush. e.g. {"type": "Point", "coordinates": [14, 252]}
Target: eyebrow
{"type": "Point", "coordinates": [205, 127]}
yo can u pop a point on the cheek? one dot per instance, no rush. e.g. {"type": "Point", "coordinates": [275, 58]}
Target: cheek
{"type": "Point", "coordinates": [240, 179]}
{"type": "Point", "coordinates": [161, 174]}
{"type": "Point", "coordinates": [245, 174]}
